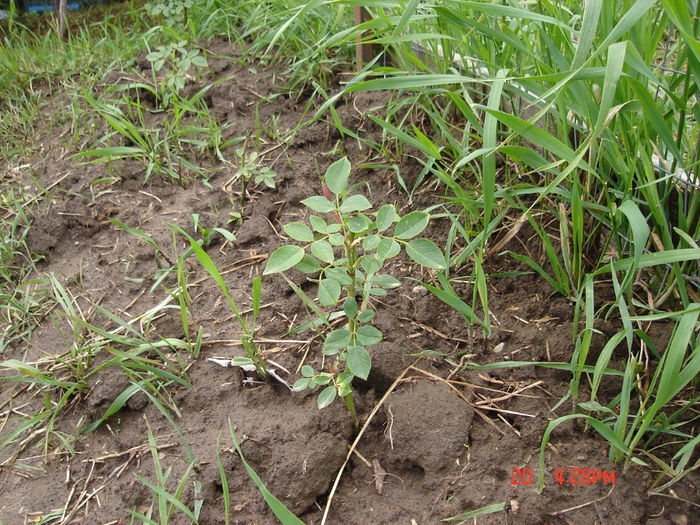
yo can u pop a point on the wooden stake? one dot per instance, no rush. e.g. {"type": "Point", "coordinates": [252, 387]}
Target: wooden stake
{"type": "Point", "coordinates": [363, 52]}
{"type": "Point", "coordinates": [62, 20]}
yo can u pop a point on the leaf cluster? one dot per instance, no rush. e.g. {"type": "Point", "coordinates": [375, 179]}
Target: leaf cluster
{"type": "Point", "coordinates": [346, 246]}
{"type": "Point", "coordinates": [175, 59]}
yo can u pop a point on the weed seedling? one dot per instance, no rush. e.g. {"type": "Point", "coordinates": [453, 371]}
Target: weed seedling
{"type": "Point", "coordinates": [172, 12]}
{"type": "Point", "coordinates": [250, 167]}
{"type": "Point", "coordinates": [176, 60]}
{"type": "Point", "coordinates": [247, 324]}
{"type": "Point", "coordinates": [348, 253]}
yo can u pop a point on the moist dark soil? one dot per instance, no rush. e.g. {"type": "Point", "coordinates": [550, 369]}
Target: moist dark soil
{"type": "Point", "coordinates": [442, 440]}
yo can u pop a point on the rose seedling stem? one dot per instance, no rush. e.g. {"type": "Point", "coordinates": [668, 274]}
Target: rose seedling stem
{"type": "Point", "coordinates": [345, 256]}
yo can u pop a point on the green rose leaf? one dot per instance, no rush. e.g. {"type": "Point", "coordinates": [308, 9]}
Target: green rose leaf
{"type": "Point", "coordinates": [355, 203]}
{"type": "Point", "coordinates": [426, 253]}
{"type": "Point", "coordinates": [340, 275]}
{"type": "Point", "coordinates": [308, 265]}
{"type": "Point", "coordinates": [337, 176]}
{"type": "Point", "coordinates": [301, 384]}
{"type": "Point", "coordinates": [371, 263]}
{"type": "Point", "coordinates": [328, 292]}
{"type": "Point", "coordinates": [326, 397]}
{"type": "Point", "coordinates": [350, 307]}
{"type": "Point", "coordinates": [368, 335]}
{"type": "Point", "coordinates": [344, 388]}
{"type": "Point", "coordinates": [388, 248]}
{"type": "Point", "coordinates": [323, 250]}
{"type": "Point", "coordinates": [386, 216]}
{"type": "Point", "coordinates": [323, 379]}
{"type": "Point", "coordinates": [385, 281]}
{"type": "Point", "coordinates": [371, 242]}
{"type": "Point", "coordinates": [319, 204]}
{"type": "Point", "coordinates": [359, 223]}
{"type": "Point", "coordinates": [336, 340]}
{"type": "Point", "coordinates": [307, 371]}
{"type": "Point", "coordinates": [366, 316]}
{"type": "Point", "coordinates": [283, 258]}
{"type": "Point", "coordinates": [299, 232]}
{"type": "Point", "coordinates": [411, 225]}
{"type": "Point", "coordinates": [336, 239]}
{"type": "Point", "coordinates": [318, 224]}
{"type": "Point", "coordinates": [345, 377]}
{"type": "Point", "coordinates": [199, 61]}
{"type": "Point", "coordinates": [359, 361]}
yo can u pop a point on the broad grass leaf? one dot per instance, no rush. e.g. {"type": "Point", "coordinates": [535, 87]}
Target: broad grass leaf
{"type": "Point", "coordinates": [283, 514]}
{"type": "Point", "coordinates": [283, 258]}
{"type": "Point", "coordinates": [426, 253]}
{"type": "Point", "coordinates": [115, 406]}
{"type": "Point", "coordinates": [488, 178]}
{"type": "Point", "coordinates": [591, 15]}
{"type": "Point", "coordinates": [481, 511]}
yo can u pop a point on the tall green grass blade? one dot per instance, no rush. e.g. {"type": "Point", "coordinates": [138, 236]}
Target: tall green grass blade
{"type": "Point", "coordinates": [600, 427]}
{"type": "Point", "coordinates": [481, 511]}
{"type": "Point", "coordinates": [488, 182]}
{"type": "Point", "coordinates": [589, 26]}
{"type": "Point", "coordinates": [213, 271]}
{"type": "Point", "coordinates": [224, 483]}
{"type": "Point", "coordinates": [676, 371]}
{"type": "Point", "coordinates": [276, 506]}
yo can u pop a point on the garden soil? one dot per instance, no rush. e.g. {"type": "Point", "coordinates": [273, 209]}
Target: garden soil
{"type": "Point", "coordinates": [438, 440]}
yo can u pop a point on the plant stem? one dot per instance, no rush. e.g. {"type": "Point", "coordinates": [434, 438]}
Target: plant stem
{"type": "Point", "coordinates": [350, 403]}
{"type": "Point", "coordinates": [351, 256]}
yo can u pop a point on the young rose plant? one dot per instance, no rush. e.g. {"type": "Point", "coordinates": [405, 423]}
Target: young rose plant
{"type": "Point", "coordinates": [347, 246]}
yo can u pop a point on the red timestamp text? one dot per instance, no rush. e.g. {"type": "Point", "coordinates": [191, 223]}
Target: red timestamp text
{"type": "Point", "coordinates": [571, 476]}
{"type": "Point", "coordinates": [583, 476]}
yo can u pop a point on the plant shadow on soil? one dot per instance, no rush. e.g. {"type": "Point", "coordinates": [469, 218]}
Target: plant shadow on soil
{"type": "Point", "coordinates": [436, 448]}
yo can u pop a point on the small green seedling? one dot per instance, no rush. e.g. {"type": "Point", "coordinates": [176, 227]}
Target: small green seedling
{"type": "Point", "coordinates": [250, 167]}
{"type": "Point", "coordinates": [348, 253]}
{"type": "Point", "coordinates": [208, 233]}
{"type": "Point", "coordinates": [247, 323]}
{"type": "Point", "coordinates": [176, 60]}
{"type": "Point", "coordinates": [172, 12]}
